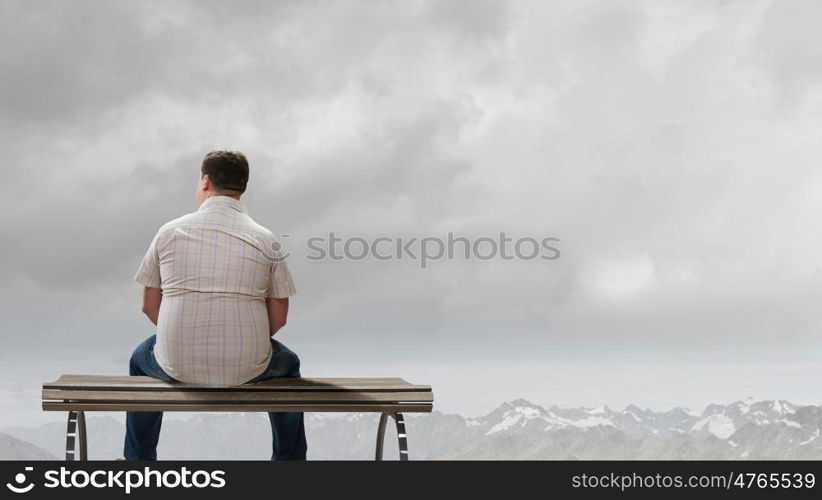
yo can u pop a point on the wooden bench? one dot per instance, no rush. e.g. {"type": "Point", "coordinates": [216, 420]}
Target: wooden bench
{"type": "Point", "coordinates": [77, 394]}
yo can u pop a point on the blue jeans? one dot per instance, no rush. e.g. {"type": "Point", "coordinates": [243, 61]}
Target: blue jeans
{"type": "Point", "coordinates": [143, 427]}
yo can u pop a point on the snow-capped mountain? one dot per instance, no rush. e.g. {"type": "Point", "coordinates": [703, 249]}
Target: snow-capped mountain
{"type": "Point", "coordinates": [723, 421]}
{"type": "Point", "coordinates": [744, 429]}
{"type": "Point", "coordinates": [632, 420]}
{"type": "Point", "coordinates": [717, 420]}
{"type": "Point", "coordinates": [515, 430]}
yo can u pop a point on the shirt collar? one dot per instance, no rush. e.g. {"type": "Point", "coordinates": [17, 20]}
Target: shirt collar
{"type": "Point", "coordinates": [220, 200]}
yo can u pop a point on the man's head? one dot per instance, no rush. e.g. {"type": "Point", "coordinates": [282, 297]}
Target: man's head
{"type": "Point", "coordinates": [222, 173]}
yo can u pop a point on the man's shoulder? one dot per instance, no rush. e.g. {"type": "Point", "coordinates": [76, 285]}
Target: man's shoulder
{"type": "Point", "coordinates": [179, 221]}
{"type": "Point", "coordinates": [251, 225]}
{"type": "Point", "coordinates": [182, 221]}
{"type": "Point", "coordinates": [268, 241]}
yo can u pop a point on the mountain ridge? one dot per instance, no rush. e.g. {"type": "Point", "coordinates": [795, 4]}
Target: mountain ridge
{"type": "Point", "coordinates": [516, 429]}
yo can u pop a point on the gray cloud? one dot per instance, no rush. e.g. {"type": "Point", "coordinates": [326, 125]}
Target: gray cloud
{"type": "Point", "coordinates": [786, 45]}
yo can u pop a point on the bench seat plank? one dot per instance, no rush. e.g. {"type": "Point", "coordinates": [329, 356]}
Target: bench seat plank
{"type": "Point", "coordinates": [130, 378]}
{"type": "Point", "coordinates": [128, 383]}
{"type": "Point", "coordinates": [239, 407]}
{"type": "Point", "coordinates": [237, 396]}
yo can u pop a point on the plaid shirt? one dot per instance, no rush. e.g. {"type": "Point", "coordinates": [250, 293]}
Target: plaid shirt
{"type": "Point", "coordinates": [216, 267]}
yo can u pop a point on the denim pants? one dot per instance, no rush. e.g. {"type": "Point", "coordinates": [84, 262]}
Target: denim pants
{"type": "Point", "coordinates": [143, 427]}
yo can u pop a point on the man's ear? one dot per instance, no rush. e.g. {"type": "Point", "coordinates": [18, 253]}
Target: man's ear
{"type": "Point", "coordinates": [205, 183]}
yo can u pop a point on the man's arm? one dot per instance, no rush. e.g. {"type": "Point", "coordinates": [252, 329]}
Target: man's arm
{"type": "Point", "coordinates": [151, 302]}
{"type": "Point", "coordinates": [277, 313]}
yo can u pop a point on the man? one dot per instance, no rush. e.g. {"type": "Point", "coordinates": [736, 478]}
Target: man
{"type": "Point", "coordinates": [217, 288]}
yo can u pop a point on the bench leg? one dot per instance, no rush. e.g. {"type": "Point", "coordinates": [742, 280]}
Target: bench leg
{"type": "Point", "coordinates": [401, 436]}
{"type": "Point", "coordinates": [76, 436]}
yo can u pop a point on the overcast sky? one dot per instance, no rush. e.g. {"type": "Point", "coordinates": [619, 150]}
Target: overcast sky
{"type": "Point", "coordinates": [673, 148]}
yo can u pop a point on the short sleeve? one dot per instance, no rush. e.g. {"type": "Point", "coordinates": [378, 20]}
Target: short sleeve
{"type": "Point", "coordinates": [281, 284]}
{"type": "Point", "coordinates": [149, 272]}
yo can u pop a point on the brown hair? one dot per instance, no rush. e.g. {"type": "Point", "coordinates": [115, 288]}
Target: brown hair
{"type": "Point", "coordinates": [228, 170]}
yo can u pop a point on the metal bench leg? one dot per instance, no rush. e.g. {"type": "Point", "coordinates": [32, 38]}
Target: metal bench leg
{"type": "Point", "coordinates": [81, 432]}
{"type": "Point", "coordinates": [401, 436]}
{"type": "Point", "coordinates": [76, 436]}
